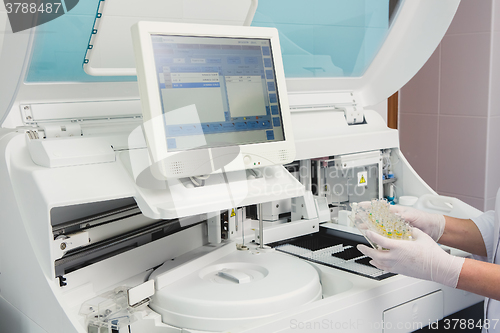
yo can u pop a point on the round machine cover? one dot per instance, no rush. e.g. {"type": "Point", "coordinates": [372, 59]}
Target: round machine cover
{"type": "Point", "coordinates": [237, 289]}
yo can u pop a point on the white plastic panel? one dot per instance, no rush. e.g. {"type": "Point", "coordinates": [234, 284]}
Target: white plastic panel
{"type": "Point", "coordinates": [16, 319]}
{"type": "Point", "coordinates": [446, 205]}
{"type": "Point", "coordinates": [327, 99]}
{"type": "Point", "coordinates": [141, 292]}
{"type": "Point", "coordinates": [53, 153]}
{"type": "Point", "coordinates": [415, 314]}
{"type": "Point", "coordinates": [3, 25]}
{"type": "Point", "coordinates": [417, 31]}
{"type": "Point", "coordinates": [320, 133]}
{"type": "Point", "coordinates": [13, 55]}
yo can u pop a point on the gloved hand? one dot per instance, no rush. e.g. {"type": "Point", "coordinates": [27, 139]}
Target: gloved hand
{"type": "Point", "coordinates": [431, 224]}
{"type": "Point", "coordinates": [421, 258]}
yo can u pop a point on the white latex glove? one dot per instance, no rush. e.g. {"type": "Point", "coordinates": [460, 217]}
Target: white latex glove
{"type": "Point", "coordinates": [431, 224]}
{"type": "Point", "coordinates": [421, 258]}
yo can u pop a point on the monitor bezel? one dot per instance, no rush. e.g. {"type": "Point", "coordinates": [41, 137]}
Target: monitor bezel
{"type": "Point", "coordinates": [276, 152]}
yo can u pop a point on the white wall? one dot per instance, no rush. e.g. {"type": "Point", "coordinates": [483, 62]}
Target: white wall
{"type": "Point", "coordinates": [450, 111]}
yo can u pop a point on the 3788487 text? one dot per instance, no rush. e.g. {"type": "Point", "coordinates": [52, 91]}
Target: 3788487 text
{"type": "Point", "coordinates": [463, 324]}
{"type": "Point", "coordinates": [32, 8]}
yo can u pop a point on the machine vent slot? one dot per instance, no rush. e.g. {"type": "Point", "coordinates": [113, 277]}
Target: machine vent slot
{"type": "Point", "coordinates": [176, 167]}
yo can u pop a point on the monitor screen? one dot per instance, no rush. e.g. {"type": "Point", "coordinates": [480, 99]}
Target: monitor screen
{"type": "Point", "coordinates": [213, 97]}
{"type": "Point", "coordinates": [217, 91]}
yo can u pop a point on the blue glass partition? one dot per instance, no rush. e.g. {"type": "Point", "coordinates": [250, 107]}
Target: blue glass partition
{"type": "Point", "coordinates": [60, 45]}
{"type": "Point", "coordinates": [327, 38]}
{"type": "Point", "coordinates": [319, 38]}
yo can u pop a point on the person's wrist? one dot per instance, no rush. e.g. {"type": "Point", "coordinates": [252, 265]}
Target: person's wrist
{"type": "Point", "coordinates": [447, 270]}
{"type": "Point", "coordinates": [440, 225]}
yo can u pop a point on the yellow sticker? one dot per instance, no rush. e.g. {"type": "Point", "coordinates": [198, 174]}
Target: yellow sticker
{"type": "Point", "coordinates": [233, 213]}
{"type": "Point", "coordinates": [362, 177]}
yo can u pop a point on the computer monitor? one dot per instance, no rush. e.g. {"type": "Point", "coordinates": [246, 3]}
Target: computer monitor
{"type": "Point", "coordinates": [213, 97]}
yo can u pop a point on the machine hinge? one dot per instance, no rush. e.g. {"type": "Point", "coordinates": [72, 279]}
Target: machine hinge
{"type": "Point", "coordinates": [62, 281]}
{"type": "Point", "coordinates": [27, 114]}
{"type": "Point", "coordinates": [353, 114]}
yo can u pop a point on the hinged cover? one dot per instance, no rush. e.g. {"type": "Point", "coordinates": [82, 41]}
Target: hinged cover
{"type": "Point", "coordinates": [70, 151]}
{"type": "Point", "coordinates": [416, 32]}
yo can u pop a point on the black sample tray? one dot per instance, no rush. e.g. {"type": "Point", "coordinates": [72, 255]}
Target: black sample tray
{"type": "Point", "coordinates": [332, 251]}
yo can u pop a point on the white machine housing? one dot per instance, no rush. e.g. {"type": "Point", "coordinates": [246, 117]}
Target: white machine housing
{"type": "Point", "coordinates": [67, 194]}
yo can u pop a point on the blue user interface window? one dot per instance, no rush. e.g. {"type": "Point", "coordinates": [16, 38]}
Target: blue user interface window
{"type": "Point", "coordinates": [217, 91]}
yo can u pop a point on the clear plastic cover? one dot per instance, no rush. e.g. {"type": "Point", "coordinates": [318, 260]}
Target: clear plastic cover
{"type": "Point", "coordinates": [110, 310]}
{"type": "Point", "coordinates": [328, 38]}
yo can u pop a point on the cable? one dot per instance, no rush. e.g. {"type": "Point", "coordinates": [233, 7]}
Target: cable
{"type": "Point", "coordinates": [243, 230]}
{"type": "Point", "coordinates": [196, 180]}
{"type": "Point", "coordinates": [195, 183]}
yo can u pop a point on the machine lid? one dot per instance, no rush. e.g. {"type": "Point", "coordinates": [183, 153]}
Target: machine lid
{"type": "Point", "coordinates": [367, 48]}
{"type": "Point", "coordinates": [240, 288]}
